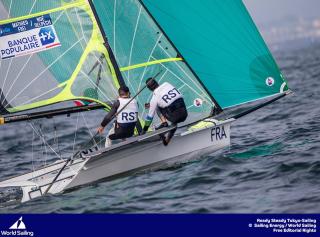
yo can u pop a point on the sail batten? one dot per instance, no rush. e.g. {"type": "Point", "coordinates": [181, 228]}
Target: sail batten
{"type": "Point", "coordinates": [149, 63]}
{"type": "Point", "coordinates": [40, 13]}
{"type": "Point", "coordinates": [59, 51]}
{"type": "Point", "coordinates": [48, 50]}
{"type": "Point", "coordinates": [216, 104]}
{"type": "Point", "coordinates": [143, 50]}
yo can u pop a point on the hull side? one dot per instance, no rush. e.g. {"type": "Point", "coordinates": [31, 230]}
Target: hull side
{"type": "Point", "coordinates": [136, 155]}
{"type": "Point", "coordinates": [152, 155]}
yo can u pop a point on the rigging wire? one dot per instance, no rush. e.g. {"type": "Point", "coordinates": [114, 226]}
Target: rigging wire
{"type": "Point", "coordinates": [195, 82]}
{"type": "Point", "coordinates": [40, 74]}
{"type": "Point", "coordinates": [44, 145]}
{"type": "Point", "coordinates": [32, 154]}
{"type": "Point", "coordinates": [56, 138]}
{"type": "Point", "coordinates": [75, 134]}
{"type": "Point", "coordinates": [133, 40]}
{"type": "Point", "coordinates": [91, 134]}
{"type": "Point", "coordinates": [182, 81]}
{"type": "Point", "coordinates": [25, 64]}
{"type": "Point", "coordinates": [38, 133]}
{"type": "Point", "coordinates": [114, 28]}
{"type": "Point", "coordinates": [150, 56]}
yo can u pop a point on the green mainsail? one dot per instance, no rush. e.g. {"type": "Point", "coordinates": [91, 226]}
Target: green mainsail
{"type": "Point", "coordinates": [209, 49]}
{"type": "Point", "coordinates": [142, 50]}
{"type": "Point", "coordinates": [78, 66]}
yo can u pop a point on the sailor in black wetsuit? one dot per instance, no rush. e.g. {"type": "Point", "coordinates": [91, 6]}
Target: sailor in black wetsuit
{"type": "Point", "coordinates": [126, 120]}
{"type": "Point", "coordinates": [169, 104]}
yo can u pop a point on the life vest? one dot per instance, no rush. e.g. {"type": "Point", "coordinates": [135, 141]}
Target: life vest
{"type": "Point", "coordinates": [130, 113]}
{"type": "Point", "coordinates": [166, 94]}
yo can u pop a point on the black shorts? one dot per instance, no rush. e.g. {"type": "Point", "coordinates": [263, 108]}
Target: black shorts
{"type": "Point", "coordinates": [176, 112]}
{"type": "Point", "coordinates": [122, 131]}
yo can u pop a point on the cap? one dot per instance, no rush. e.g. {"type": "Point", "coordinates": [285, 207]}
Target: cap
{"type": "Point", "coordinates": [152, 84]}
{"type": "Point", "coordinates": [124, 89]}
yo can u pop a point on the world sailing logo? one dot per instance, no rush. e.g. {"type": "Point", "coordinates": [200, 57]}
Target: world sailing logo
{"type": "Point", "coordinates": [19, 225]}
{"type": "Point", "coordinates": [17, 229]}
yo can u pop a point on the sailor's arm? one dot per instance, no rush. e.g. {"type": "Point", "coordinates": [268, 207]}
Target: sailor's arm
{"type": "Point", "coordinates": [107, 119]}
{"type": "Point", "coordinates": [152, 111]}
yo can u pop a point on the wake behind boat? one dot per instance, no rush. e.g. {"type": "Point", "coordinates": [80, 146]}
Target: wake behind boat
{"type": "Point", "coordinates": [83, 51]}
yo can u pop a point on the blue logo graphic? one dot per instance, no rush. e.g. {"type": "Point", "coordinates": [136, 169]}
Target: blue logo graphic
{"type": "Point", "coordinates": [47, 36]}
{"type": "Point", "coordinates": [4, 31]}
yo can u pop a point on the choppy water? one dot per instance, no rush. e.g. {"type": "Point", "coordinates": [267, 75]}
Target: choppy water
{"type": "Point", "coordinates": [272, 166]}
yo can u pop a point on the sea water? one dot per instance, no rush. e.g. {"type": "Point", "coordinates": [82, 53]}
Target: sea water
{"type": "Point", "coordinates": [272, 165]}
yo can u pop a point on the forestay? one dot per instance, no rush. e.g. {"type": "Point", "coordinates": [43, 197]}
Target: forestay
{"type": "Point", "coordinates": [52, 51]}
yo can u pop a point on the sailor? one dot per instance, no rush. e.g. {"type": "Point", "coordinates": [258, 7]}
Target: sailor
{"type": "Point", "coordinates": [126, 117]}
{"type": "Point", "coordinates": [168, 103]}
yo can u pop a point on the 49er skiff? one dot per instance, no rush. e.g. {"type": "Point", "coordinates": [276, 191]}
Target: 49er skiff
{"type": "Point", "coordinates": [132, 156]}
{"type": "Point", "coordinates": [83, 50]}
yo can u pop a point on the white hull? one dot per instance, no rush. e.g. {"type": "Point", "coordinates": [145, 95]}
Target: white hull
{"type": "Point", "coordinates": [145, 153]}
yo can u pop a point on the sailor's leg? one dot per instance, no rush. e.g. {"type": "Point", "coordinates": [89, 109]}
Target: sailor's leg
{"type": "Point", "coordinates": [121, 133]}
{"type": "Point", "coordinates": [164, 122]}
{"type": "Point", "coordinates": [108, 140]}
{"type": "Point", "coordinates": [163, 119]}
{"type": "Point", "coordinates": [166, 139]}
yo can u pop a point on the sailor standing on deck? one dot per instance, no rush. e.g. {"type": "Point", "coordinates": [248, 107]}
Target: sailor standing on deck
{"type": "Point", "coordinates": [169, 104]}
{"type": "Point", "coordinates": [126, 119]}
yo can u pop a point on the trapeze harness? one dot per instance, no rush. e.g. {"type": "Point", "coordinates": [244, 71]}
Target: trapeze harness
{"type": "Point", "coordinates": [126, 120]}
{"type": "Point", "coordinates": [168, 101]}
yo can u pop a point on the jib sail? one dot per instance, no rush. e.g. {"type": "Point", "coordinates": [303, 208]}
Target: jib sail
{"type": "Point", "coordinates": [223, 46]}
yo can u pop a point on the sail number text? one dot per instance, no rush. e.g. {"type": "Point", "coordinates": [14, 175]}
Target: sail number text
{"type": "Point", "coordinates": [218, 133]}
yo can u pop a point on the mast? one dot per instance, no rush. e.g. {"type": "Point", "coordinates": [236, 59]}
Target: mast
{"type": "Point", "coordinates": [107, 45]}
{"type": "Point", "coordinates": [111, 54]}
{"type": "Point", "coordinates": [219, 109]}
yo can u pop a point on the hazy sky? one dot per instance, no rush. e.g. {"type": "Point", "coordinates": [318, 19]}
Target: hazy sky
{"type": "Point", "coordinates": [266, 11]}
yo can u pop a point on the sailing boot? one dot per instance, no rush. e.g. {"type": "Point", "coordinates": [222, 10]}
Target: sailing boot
{"type": "Point", "coordinates": [108, 142]}
{"type": "Point", "coordinates": [169, 136]}
{"type": "Point", "coordinates": [162, 125]}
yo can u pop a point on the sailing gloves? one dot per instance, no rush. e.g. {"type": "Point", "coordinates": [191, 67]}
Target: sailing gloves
{"type": "Point", "coordinates": [144, 130]}
{"type": "Point", "coordinates": [146, 127]}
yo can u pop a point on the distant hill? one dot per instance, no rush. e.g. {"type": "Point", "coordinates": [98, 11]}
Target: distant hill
{"type": "Point", "coordinates": [291, 32]}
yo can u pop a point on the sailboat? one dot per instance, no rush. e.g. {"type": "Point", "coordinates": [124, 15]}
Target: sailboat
{"type": "Point", "coordinates": [53, 52]}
